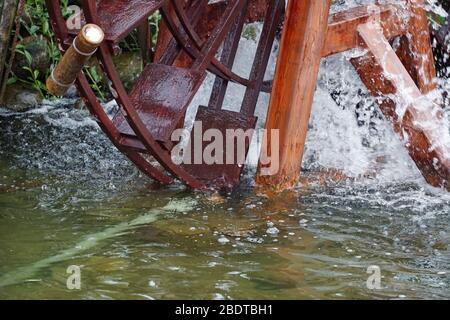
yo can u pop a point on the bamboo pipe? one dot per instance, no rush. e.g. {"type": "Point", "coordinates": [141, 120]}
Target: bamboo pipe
{"type": "Point", "coordinates": [83, 47]}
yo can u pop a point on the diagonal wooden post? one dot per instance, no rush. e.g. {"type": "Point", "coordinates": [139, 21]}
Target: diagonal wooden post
{"type": "Point", "coordinates": [293, 91]}
{"type": "Point", "coordinates": [415, 51]}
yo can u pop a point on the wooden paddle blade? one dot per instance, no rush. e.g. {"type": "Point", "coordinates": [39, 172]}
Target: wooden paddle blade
{"type": "Point", "coordinates": [229, 157]}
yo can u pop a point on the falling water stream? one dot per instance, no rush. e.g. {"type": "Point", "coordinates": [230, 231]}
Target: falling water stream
{"type": "Point", "coordinates": [68, 197]}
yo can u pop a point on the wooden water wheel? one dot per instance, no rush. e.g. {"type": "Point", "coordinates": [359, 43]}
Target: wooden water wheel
{"type": "Point", "coordinates": [401, 77]}
{"type": "Point", "coordinates": [192, 33]}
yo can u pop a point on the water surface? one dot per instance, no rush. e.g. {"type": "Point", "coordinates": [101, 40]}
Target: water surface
{"type": "Point", "coordinates": [62, 181]}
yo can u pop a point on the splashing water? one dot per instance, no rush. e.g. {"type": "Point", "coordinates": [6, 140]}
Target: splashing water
{"type": "Point", "coordinates": [61, 181]}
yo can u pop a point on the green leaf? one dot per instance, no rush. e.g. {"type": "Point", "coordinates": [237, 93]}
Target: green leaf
{"type": "Point", "coordinates": [34, 29]}
{"type": "Point", "coordinates": [45, 27]}
{"type": "Point", "coordinates": [11, 80]}
{"type": "Point", "coordinates": [28, 57]}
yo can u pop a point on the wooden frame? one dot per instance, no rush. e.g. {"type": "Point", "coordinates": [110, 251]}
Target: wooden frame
{"type": "Point", "coordinates": [306, 32]}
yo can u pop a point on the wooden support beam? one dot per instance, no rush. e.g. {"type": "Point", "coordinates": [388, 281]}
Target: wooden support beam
{"type": "Point", "coordinates": [294, 86]}
{"type": "Point", "coordinates": [342, 32]}
{"type": "Point", "coordinates": [417, 120]}
{"type": "Point", "coordinates": [415, 45]}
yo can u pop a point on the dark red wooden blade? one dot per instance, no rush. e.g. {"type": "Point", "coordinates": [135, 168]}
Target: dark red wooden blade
{"type": "Point", "coordinates": [161, 96]}
{"type": "Point", "coordinates": [223, 176]}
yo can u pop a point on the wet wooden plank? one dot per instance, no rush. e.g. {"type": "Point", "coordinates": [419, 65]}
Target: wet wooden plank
{"type": "Point", "coordinates": [161, 95]}
{"type": "Point", "coordinates": [224, 172]}
{"type": "Point", "coordinates": [118, 18]}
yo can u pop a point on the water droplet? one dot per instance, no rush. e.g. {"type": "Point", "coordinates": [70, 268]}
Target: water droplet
{"type": "Point", "coordinates": [223, 240]}
{"type": "Point", "coordinates": [303, 222]}
{"type": "Point", "coordinates": [273, 231]}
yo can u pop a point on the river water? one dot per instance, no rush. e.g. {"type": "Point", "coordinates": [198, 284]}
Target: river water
{"type": "Point", "coordinates": [69, 198]}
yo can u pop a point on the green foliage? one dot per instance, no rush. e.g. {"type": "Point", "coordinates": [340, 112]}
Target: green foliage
{"type": "Point", "coordinates": [250, 33]}
{"type": "Point", "coordinates": [96, 81]}
{"type": "Point", "coordinates": [154, 24]}
{"type": "Point", "coordinates": [33, 77]}
{"type": "Point", "coordinates": [35, 21]}
{"type": "Point", "coordinates": [131, 43]}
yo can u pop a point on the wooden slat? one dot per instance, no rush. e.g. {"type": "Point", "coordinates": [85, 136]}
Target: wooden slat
{"type": "Point", "coordinates": [220, 174]}
{"type": "Point", "coordinates": [416, 119]}
{"type": "Point", "coordinates": [161, 106]}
